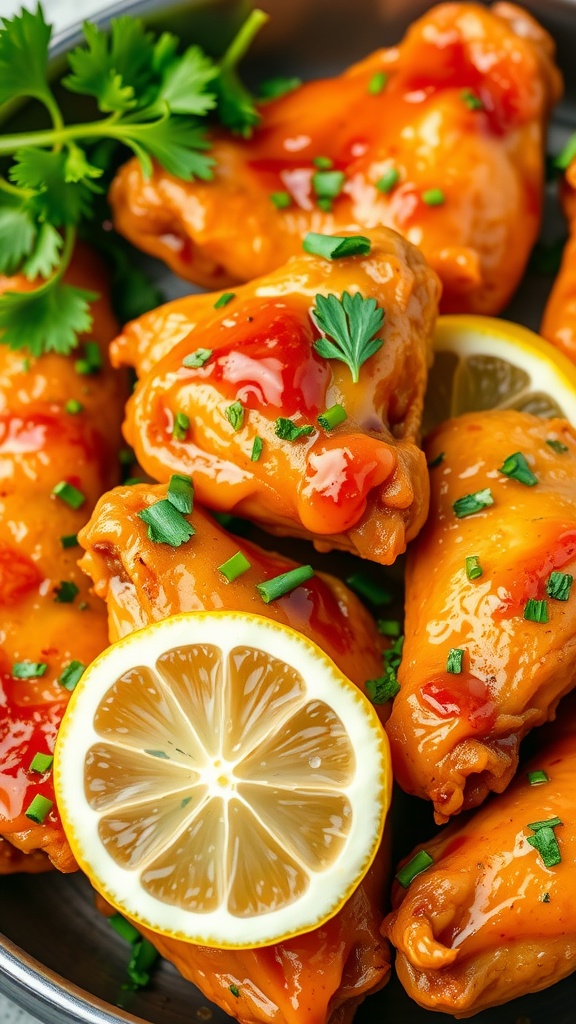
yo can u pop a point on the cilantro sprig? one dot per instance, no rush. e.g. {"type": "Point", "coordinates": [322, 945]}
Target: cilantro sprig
{"type": "Point", "coordinates": [351, 324]}
{"type": "Point", "coordinates": [154, 101]}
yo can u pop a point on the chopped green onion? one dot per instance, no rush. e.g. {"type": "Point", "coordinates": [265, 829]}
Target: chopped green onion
{"type": "Point", "coordinates": [472, 503]}
{"type": "Point", "coordinates": [377, 83]}
{"type": "Point", "coordinates": [471, 99]}
{"type": "Point", "coordinates": [433, 197]}
{"type": "Point", "coordinates": [28, 669]}
{"type": "Point", "coordinates": [546, 823]}
{"type": "Point", "coordinates": [536, 611]}
{"type": "Point", "coordinates": [371, 590]}
{"type": "Point", "coordinates": [280, 585]}
{"type": "Point", "coordinates": [516, 467]}
{"type": "Point", "coordinates": [197, 358]}
{"type": "Point", "coordinates": [288, 431]}
{"type": "Point", "coordinates": [275, 87]}
{"type": "Point", "coordinates": [323, 163]}
{"type": "Point", "coordinates": [281, 200]}
{"type": "Point", "coordinates": [383, 689]}
{"type": "Point", "coordinates": [389, 179]}
{"type": "Point", "coordinates": [558, 585]}
{"type": "Point", "coordinates": [389, 627]}
{"type": "Point", "coordinates": [92, 361]}
{"type": "Point", "coordinates": [235, 415]}
{"type": "Point", "coordinates": [73, 407]}
{"type": "Point", "coordinates": [166, 525]}
{"type": "Point", "coordinates": [333, 247]}
{"type": "Point", "coordinates": [454, 660]}
{"type": "Point", "coordinates": [437, 461]}
{"type": "Point", "coordinates": [69, 494]}
{"type": "Point", "coordinates": [181, 493]}
{"type": "Point", "coordinates": [65, 592]}
{"type": "Point", "coordinates": [328, 185]}
{"type": "Point", "coordinates": [69, 540]}
{"type": "Point", "coordinates": [235, 990]}
{"type": "Point", "coordinates": [556, 446]}
{"type": "Point", "coordinates": [566, 155]}
{"type": "Point", "coordinates": [332, 417]}
{"type": "Point", "coordinates": [473, 567]}
{"type": "Point", "coordinates": [41, 763]}
{"type": "Point", "coordinates": [224, 299]}
{"type": "Point", "coordinates": [71, 675]}
{"type": "Point", "coordinates": [39, 808]}
{"type": "Point", "coordinates": [537, 777]}
{"type": "Point", "coordinates": [125, 929]}
{"type": "Point", "coordinates": [257, 447]}
{"type": "Point", "coordinates": [415, 866]}
{"type": "Point", "coordinates": [144, 956]}
{"type": "Point", "coordinates": [181, 425]}
{"type": "Point", "coordinates": [234, 567]}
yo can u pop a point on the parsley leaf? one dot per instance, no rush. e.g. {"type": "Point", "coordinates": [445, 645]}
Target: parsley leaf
{"type": "Point", "coordinates": [47, 319]}
{"type": "Point", "coordinates": [351, 324]}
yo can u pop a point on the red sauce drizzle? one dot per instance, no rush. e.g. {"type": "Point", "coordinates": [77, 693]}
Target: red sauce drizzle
{"type": "Point", "coordinates": [529, 580]}
{"type": "Point", "coordinates": [461, 696]}
{"type": "Point", "coordinates": [18, 575]}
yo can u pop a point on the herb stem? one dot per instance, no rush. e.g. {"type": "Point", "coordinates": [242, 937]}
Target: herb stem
{"type": "Point", "coordinates": [13, 190]}
{"type": "Point", "coordinates": [54, 110]}
{"type": "Point", "coordinates": [242, 40]}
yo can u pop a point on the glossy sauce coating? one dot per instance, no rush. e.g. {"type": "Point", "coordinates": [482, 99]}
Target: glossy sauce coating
{"type": "Point", "coordinates": [487, 160]}
{"type": "Point", "coordinates": [488, 921]}
{"type": "Point", "coordinates": [559, 321]}
{"type": "Point", "coordinates": [455, 737]}
{"type": "Point", "coordinates": [42, 444]}
{"type": "Point", "coordinates": [362, 486]}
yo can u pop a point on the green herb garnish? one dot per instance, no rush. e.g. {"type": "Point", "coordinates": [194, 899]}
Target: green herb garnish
{"type": "Point", "coordinates": [181, 426]}
{"type": "Point", "coordinates": [323, 163]}
{"type": "Point", "coordinates": [257, 447]}
{"type": "Point", "coordinates": [566, 155]}
{"type": "Point", "coordinates": [235, 990]}
{"type": "Point", "coordinates": [69, 494]}
{"type": "Point", "coordinates": [559, 585]}
{"type": "Point", "coordinates": [92, 360]}
{"type": "Point", "coordinates": [71, 675]}
{"type": "Point", "coordinates": [166, 525]}
{"type": "Point", "coordinates": [283, 584]}
{"type": "Point", "coordinates": [73, 407]}
{"type": "Point", "coordinates": [235, 415]}
{"type": "Point", "coordinates": [272, 88]}
{"type": "Point", "coordinates": [332, 417]}
{"type": "Point", "coordinates": [351, 324]}
{"type": "Point", "coordinates": [389, 179]}
{"type": "Point", "coordinates": [537, 777]}
{"type": "Point", "coordinates": [335, 247]}
{"type": "Point", "coordinates": [41, 763]}
{"type": "Point", "coordinates": [437, 461]}
{"type": "Point", "coordinates": [545, 842]}
{"type": "Point", "coordinates": [28, 669]}
{"type": "Point", "coordinates": [415, 866]}
{"type": "Point", "coordinates": [472, 503]}
{"type": "Point", "coordinates": [387, 686]}
{"type": "Point", "coordinates": [281, 200]}
{"type": "Point", "coordinates": [327, 185]}
{"type": "Point", "coordinates": [39, 809]}
{"type": "Point", "coordinates": [389, 627]}
{"type": "Point", "coordinates": [556, 446]}
{"type": "Point", "coordinates": [234, 567]}
{"type": "Point", "coordinates": [471, 100]}
{"type": "Point", "coordinates": [536, 611]}
{"type": "Point", "coordinates": [181, 493]}
{"type": "Point", "coordinates": [454, 660]}
{"type": "Point", "coordinates": [473, 567]}
{"type": "Point", "coordinates": [197, 358]}
{"type": "Point", "coordinates": [288, 431]}
{"type": "Point", "coordinates": [65, 592]}
{"type": "Point", "coordinates": [516, 467]}
{"type": "Point", "coordinates": [433, 197]}
{"type": "Point", "coordinates": [377, 83]}
{"type": "Point", "coordinates": [124, 928]}
{"type": "Point", "coordinates": [224, 299]}
{"type": "Point", "coordinates": [369, 589]}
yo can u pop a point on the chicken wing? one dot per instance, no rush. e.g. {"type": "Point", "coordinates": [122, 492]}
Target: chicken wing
{"type": "Point", "coordinates": [559, 322]}
{"type": "Point", "coordinates": [362, 486]}
{"type": "Point", "coordinates": [315, 977]}
{"type": "Point", "coordinates": [49, 619]}
{"type": "Point", "coordinates": [441, 138]}
{"type": "Point", "coordinates": [489, 921]}
{"type": "Point", "coordinates": [486, 658]}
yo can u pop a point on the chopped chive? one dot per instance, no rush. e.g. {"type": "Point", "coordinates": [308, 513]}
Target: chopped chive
{"type": "Point", "coordinates": [368, 588]}
{"type": "Point", "coordinates": [73, 406]}
{"type": "Point", "coordinates": [181, 425]}
{"type": "Point", "coordinates": [224, 299]}
{"type": "Point", "coordinates": [471, 99]}
{"type": "Point", "coordinates": [166, 525]}
{"type": "Point", "coordinates": [257, 447]}
{"type": "Point", "coordinates": [235, 415]}
{"type": "Point", "coordinates": [328, 184]}
{"type": "Point", "coordinates": [516, 467]}
{"type": "Point", "coordinates": [537, 777]}
{"type": "Point", "coordinates": [377, 83]}
{"type": "Point", "coordinates": [323, 163]}
{"type": "Point", "coordinates": [332, 417]}
{"type": "Point", "coordinates": [383, 689]}
{"type": "Point", "coordinates": [546, 823]}
{"type": "Point", "coordinates": [433, 197]}
{"type": "Point", "coordinates": [473, 567]}
{"type": "Point", "coordinates": [333, 247]}
{"type": "Point", "coordinates": [181, 493]}
{"type": "Point", "coordinates": [415, 866]}
{"type": "Point", "coordinates": [125, 929]}
{"type": "Point", "coordinates": [92, 361]}
{"type": "Point", "coordinates": [558, 585]}
{"type": "Point", "coordinates": [235, 990]}
{"type": "Point", "coordinates": [71, 675]}
{"type": "Point", "coordinates": [69, 494]}
{"type": "Point", "coordinates": [65, 592]}
{"type": "Point", "coordinates": [389, 627]}
{"type": "Point", "coordinates": [41, 763]}
{"type": "Point", "coordinates": [324, 203]}
{"type": "Point", "coordinates": [234, 567]}
{"type": "Point", "coordinates": [280, 585]}
{"type": "Point", "coordinates": [389, 179]}
{"type": "Point", "coordinates": [39, 808]}
{"type": "Point", "coordinates": [471, 503]}
{"type": "Point", "coordinates": [454, 660]}
{"type": "Point", "coordinates": [437, 461]}
{"type": "Point", "coordinates": [556, 446]}
{"type": "Point", "coordinates": [536, 611]}
{"type": "Point", "coordinates": [28, 669]}
{"type": "Point", "coordinates": [197, 358]}
{"type": "Point", "coordinates": [144, 956]}
{"type": "Point", "coordinates": [69, 540]}
{"type": "Point", "coordinates": [288, 431]}
{"type": "Point", "coordinates": [566, 155]}
{"type": "Point", "coordinates": [279, 86]}
{"type": "Point", "coordinates": [281, 200]}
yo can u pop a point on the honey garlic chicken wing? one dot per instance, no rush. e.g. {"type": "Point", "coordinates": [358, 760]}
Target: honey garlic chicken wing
{"type": "Point", "coordinates": [218, 380]}
{"type": "Point", "coordinates": [490, 643]}
{"type": "Point", "coordinates": [50, 622]}
{"type": "Point", "coordinates": [559, 322]}
{"type": "Point", "coordinates": [440, 138]}
{"type": "Point", "coordinates": [492, 918]}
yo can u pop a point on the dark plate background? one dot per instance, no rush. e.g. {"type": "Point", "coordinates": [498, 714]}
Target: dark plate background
{"type": "Point", "coordinates": [58, 957]}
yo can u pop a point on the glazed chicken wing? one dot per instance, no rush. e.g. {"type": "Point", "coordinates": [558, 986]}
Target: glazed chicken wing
{"type": "Point", "coordinates": [559, 322]}
{"type": "Point", "coordinates": [315, 977]}
{"type": "Point", "coordinates": [440, 138]}
{"type": "Point", "coordinates": [489, 920]}
{"type": "Point", "coordinates": [486, 659]}
{"type": "Point", "coordinates": [216, 378]}
{"type": "Point", "coordinates": [47, 615]}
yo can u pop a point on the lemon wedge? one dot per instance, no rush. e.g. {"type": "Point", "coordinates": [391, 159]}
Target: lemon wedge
{"type": "Point", "coordinates": [220, 780]}
{"type": "Point", "coordinates": [486, 363]}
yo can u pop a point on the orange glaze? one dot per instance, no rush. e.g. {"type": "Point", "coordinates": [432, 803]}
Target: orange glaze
{"type": "Point", "coordinates": [40, 445]}
{"type": "Point", "coordinates": [455, 737]}
{"type": "Point", "coordinates": [559, 321]}
{"type": "Point", "coordinates": [473, 930]}
{"type": "Point", "coordinates": [488, 163]}
{"type": "Point", "coordinates": [363, 486]}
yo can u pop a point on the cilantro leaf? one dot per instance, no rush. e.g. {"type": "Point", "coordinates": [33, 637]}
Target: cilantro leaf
{"type": "Point", "coordinates": [44, 172]}
{"type": "Point", "coordinates": [24, 43]}
{"type": "Point", "coordinates": [236, 105]}
{"type": "Point", "coordinates": [113, 68]}
{"type": "Point", "coordinates": [47, 319]}
{"type": "Point", "coordinates": [45, 254]}
{"type": "Point", "coordinates": [77, 166]}
{"type": "Point", "coordinates": [176, 143]}
{"type": "Point", "coordinates": [184, 83]}
{"type": "Point", "coordinates": [351, 324]}
{"type": "Point", "coordinates": [18, 233]}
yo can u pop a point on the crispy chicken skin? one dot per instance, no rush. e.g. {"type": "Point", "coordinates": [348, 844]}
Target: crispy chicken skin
{"type": "Point", "coordinates": [361, 487]}
{"type": "Point", "coordinates": [488, 921]}
{"type": "Point", "coordinates": [42, 444]}
{"type": "Point", "coordinates": [455, 737]}
{"type": "Point", "coordinates": [422, 123]}
{"type": "Point", "coordinates": [559, 322]}
{"type": "Point", "coordinates": [324, 974]}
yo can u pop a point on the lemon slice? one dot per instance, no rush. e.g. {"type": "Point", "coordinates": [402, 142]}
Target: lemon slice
{"type": "Point", "coordinates": [220, 780]}
{"type": "Point", "coordinates": [481, 362]}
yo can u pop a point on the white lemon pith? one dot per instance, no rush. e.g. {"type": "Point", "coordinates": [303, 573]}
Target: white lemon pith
{"type": "Point", "coordinates": [220, 780]}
